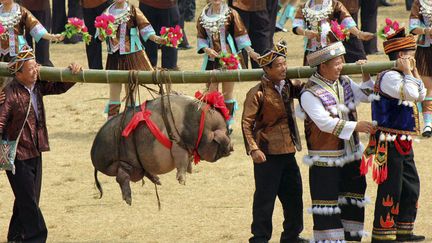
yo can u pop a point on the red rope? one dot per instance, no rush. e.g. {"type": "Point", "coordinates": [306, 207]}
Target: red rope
{"type": "Point", "coordinates": [145, 115]}
{"type": "Point", "coordinates": [197, 157]}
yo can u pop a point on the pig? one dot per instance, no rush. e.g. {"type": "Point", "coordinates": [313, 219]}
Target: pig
{"type": "Point", "coordinates": [141, 154]}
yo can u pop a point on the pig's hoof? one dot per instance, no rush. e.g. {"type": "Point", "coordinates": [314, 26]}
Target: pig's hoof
{"type": "Point", "coordinates": [128, 201]}
{"type": "Point", "coordinates": [182, 182]}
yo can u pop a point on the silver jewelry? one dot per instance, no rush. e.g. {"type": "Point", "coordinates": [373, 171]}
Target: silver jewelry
{"type": "Point", "coordinates": [120, 18]}
{"type": "Point", "coordinates": [10, 19]}
{"type": "Point", "coordinates": [426, 10]}
{"type": "Point", "coordinates": [313, 16]}
{"type": "Point", "coordinates": [215, 22]}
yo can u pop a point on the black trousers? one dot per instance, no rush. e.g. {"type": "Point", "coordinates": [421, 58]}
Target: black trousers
{"type": "Point", "coordinates": [42, 47]}
{"type": "Point", "coordinates": [260, 30]}
{"type": "Point", "coordinates": [59, 18]}
{"type": "Point", "coordinates": [354, 46]}
{"type": "Point", "coordinates": [368, 17]}
{"type": "Point", "coordinates": [342, 190]}
{"type": "Point", "coordinates": [182, 12]}
{"type": "Point", "coordinates": [94, 49]}
{"type": "Point", "coordinates": [27, 223]}
{"type": "Point", "coordinates": [159, 18]}
{"type": "Point", "coordinates": [278, 177]}
{"type": "Point", "coordinates": [396, 201]}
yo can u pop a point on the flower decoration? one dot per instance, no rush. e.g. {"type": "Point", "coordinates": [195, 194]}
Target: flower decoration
{"type": "Point", "coordinates": [173, 35]}
{"type": "Point", "coordinates": [229, 61]}
{"type": "Point", "coordinates": [76, 26]}
{"type": "Point", "coordinates": [216, 100]}
{"type": "Point", "coordinates": [105, 26]}
{"type": "Point", "coordinates": [340, 32]}
{"type": "Point", "coordinates": [389, 29]}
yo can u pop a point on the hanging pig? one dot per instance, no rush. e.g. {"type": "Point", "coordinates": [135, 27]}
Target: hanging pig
{"type": "Point", "coordinates": [141, 153]}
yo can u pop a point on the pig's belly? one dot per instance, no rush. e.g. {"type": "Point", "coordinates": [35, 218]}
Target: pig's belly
{"type": "Point", "coordinates": [161, 163]}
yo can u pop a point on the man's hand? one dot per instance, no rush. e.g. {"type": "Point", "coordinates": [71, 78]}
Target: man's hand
{"type": "Point", "coordinates": [365, 127]}
{"type": "Point", "coordinates": [75, 68]}
{"type": "Point", "coordinates": [405, 64]}
{"type": "Point", "coordinates": [258, 156]}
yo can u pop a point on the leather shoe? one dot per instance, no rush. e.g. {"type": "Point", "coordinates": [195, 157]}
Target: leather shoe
{"type": "Point", "coordinates": [410, 238]}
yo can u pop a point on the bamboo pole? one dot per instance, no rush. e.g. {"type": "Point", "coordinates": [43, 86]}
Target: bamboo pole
{"type": "Point", "coordinates": [178, 77]}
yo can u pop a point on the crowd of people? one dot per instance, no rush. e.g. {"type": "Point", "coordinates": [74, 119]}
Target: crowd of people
{"type": "Point", "coordinates": [245, 28]}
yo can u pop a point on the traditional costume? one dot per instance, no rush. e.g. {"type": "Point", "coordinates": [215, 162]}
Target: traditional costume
{"type": "Point", "coordinates": [269, 125]}
{"type": "Point", "coordinates": [317, 17]}
{"type": "Point", "coordinates": [225, 33]}
{"type": "Point", "coordinates": [390, 150]}
{"type": "Point", "coordinates": [16, 22]}
{"type": "Point", "coordinates": [420, 18]}
{"type": "Point", "coordinates": [23, 115]}
{"type": "Point", "coordinates": [125, 51]}
{"type": "Point", "coordinates": [334, 151]}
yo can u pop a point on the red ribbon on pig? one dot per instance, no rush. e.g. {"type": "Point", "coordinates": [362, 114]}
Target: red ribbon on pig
{"type": "Point", "coordinates": [216, 100]}
{"type": "Point", "coordinates": [144, 115]}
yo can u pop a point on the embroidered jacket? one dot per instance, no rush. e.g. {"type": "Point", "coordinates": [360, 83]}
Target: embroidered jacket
{"type": "Point", "coordinates": [268, 120]}
{"type": "Point", "coordinates": [14, 40]}
{"type": "Point", "coordinates": [34, 137]}
{"type": "Point", "coordinates": [417, 20]}
{"type": "Point", "coordinates": [340, 13]}
{"type": "Point", "coordinates": [222, 41]}
{"type": "Point", "coordinates": [331, 118]}
{"type": "Point", "coordinates": [128, 34]}
{"type": "Point", "coordinates": [397, 114]}
{"type": "Point", "coordinates": [91, 3]}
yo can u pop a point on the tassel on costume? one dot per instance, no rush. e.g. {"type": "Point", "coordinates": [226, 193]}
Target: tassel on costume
{"type": "Point", "coordinates": [380, 170]}
{"type": "Point", "coordinates": [368, 155]}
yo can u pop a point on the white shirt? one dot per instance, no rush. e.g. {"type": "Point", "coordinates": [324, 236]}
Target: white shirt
{"type": "Point", "coordinates": [321, 117]}
{"type": "Point", "coordinates": [33, 99]}
{"type": "Point", "coordinates": [393, 83]}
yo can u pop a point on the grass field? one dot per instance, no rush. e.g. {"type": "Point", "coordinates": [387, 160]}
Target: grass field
{"type": "Point", "coordinates": [214, 206]}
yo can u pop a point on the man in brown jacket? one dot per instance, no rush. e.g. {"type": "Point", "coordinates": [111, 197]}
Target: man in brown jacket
{"type": "Point", "coordinates": [27, 223]}
{"type": "Point", "coordinates": [271, 138]}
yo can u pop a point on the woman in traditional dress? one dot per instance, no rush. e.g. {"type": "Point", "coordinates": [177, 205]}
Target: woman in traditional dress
{"type": "Point", "coordinates": [16, 20]}
{"type": "Point", "coordinates": [221, 31]}
{"type": "Point", "coordinates": [421, 24]}
{"type": "Point", "coordinates": [125, 50]}
{"type": "Point", "coordinates": [313, 18]}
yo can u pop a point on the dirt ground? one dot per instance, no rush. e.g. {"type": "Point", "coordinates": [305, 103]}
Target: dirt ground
{"type": "Point", "coordinates": [214, 206]}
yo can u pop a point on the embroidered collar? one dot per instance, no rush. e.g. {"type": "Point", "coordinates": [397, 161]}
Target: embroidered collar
{"type": "Point", "coordinates": [313, 16]}
{"type": "Point", "coordinates": [10, 19]}
{"type": "Point", "coordinates": [213, 22]}
{"type": "Point", "coordinates": [426, 9]}
{"type": "Point", "coordinates": [121, 15]}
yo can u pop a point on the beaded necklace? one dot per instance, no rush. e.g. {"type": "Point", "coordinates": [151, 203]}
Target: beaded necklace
{"type": "Point", "coordinates": [313, 16]}
{"type": "Point", "coordinates": [122, 17]}
{"type": "Point", "coordinates": [426, 10]}
{"type": "Point", "coordinates": [10, 19]}
{"type": "Point", "coordinates": [213, 23]}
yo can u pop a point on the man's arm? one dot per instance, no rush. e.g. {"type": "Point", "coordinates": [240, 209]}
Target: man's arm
{"type": "Point", "coordinates": [250, 112]}
{"type": "Point", "coordinates": [5, 110]}
{"type": "Point", "coordinates": [321, 117]}
{"type": "Point", "coordinates": [51, 88]}
{"type": "Point", "coordinates": [403, 86]}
